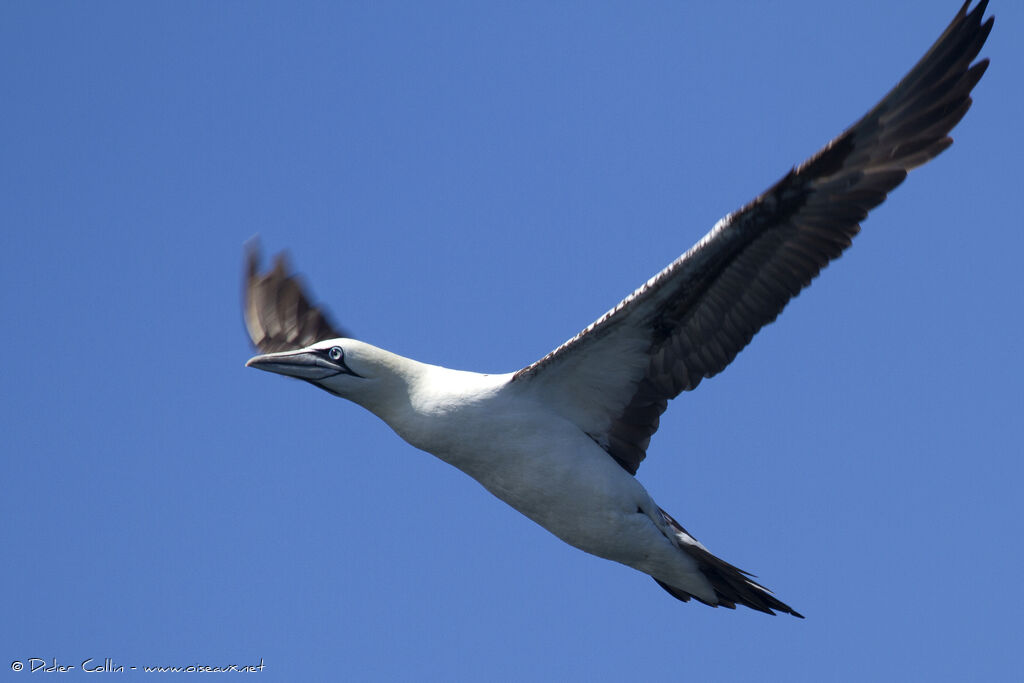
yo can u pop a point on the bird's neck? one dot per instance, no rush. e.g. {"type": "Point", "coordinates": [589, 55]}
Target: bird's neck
{"type": "Point", "coordinates": [425, 404]}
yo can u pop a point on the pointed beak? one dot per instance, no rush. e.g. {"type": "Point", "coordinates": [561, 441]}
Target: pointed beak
{"type": "Point", "coordinates": [302, 364]}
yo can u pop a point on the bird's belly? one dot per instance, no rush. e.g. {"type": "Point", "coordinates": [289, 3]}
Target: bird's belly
{"type": "Point", "coordinates": [570, 486]}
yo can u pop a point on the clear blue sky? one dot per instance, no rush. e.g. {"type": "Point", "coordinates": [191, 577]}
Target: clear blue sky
{"type": "Point", "coordinates": [470, 184]}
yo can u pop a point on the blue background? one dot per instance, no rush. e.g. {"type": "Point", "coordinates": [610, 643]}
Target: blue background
{"type": "Point", "coordinates": [470, 184]}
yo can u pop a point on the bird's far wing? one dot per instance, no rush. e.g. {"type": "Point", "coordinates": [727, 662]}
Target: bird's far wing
{"type": "Point", "coordinates": [277, 309]}
{"type": "Point", "coordinates": [690, 320]}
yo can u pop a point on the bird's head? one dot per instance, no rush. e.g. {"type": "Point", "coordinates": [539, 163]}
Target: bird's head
{"type": "Point", "coordinates": [341, 366]}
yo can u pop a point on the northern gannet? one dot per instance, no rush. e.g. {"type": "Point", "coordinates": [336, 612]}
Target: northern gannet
{"type": "Point", "coordinates": [560, 440]}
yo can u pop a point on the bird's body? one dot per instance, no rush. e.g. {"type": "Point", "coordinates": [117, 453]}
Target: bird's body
{"type": "Point", "coordinates": [504, 434]}
{"type": "Point", "coordinates": [561, 440]}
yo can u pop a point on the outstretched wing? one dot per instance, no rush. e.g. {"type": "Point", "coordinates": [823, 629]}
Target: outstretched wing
{"type": "Point", "coordinates": [278, 312]}
{"type": "Point", "coordinates": [688, 322]}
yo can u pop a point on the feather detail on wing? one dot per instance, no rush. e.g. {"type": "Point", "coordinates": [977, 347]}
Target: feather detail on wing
{"type": "Point", "coordinates": [278, 312]}
{"type": "Point", "coordinates": [688, 322]}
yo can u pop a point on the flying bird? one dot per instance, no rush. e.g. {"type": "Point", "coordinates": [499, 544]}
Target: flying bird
{"type": "Point", "coordinates": [561, 440]}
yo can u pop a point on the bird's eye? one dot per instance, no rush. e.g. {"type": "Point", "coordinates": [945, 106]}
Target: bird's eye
{"type": "Point", "coordinates": [335, 353]}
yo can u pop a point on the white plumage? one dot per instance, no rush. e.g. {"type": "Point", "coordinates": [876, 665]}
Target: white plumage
{"type": "Point", "coordinates": [561, 439]}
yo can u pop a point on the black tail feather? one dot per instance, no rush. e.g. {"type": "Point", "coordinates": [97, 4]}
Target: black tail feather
{"type": "Point", "coordinates": [732, 585]}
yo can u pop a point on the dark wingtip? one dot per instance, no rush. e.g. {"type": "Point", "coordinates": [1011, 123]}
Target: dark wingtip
{"type": "Point", "coordinates": [250, 272]}
{"type": "Point", "coordinates": [277, 309]}
{"type": "Point", "coordinates": [252, 251]}
{"type": "Point", "coordinates": [282, 263]}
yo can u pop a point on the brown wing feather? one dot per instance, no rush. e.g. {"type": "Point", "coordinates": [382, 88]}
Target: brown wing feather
{"type": "Point", "coordinates": [707, 305]}
{"type": "Point", "coordinates": [278, 312]}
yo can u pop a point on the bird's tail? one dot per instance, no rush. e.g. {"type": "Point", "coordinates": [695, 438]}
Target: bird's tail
{"type": "Point", "coordinates": [732, 585]}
